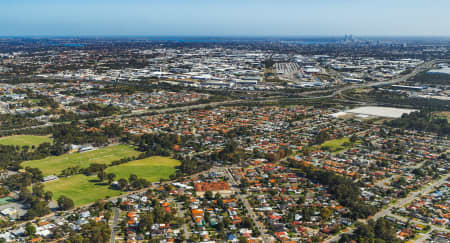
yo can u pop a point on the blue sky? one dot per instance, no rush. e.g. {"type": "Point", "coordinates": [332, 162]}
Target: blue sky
{"type": "Point", "coordinates": [226, 17]}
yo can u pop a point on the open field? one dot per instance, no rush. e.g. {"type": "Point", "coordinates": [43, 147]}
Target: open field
{"type": "Point", "coordinates": [151, 169]}
{"type": "Point", "coordinates": [22, 140]}
{"type": "Point", "coordinates": [86, 189]}
{"type": "Point", "coordinates": [337, 145]}
{"type": "Point", "coordinates": [55, 164]}
{"type": "Point", "coordinates": [80, 188]}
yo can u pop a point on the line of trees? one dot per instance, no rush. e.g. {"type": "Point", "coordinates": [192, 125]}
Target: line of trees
{"type": "Point", "coordinates": [431, 78]}
{"type": "Point", "coordinates": [346, 192]}
{"type": "Point", "coordinates": [395, 99]}
{"type": "Point", "coordinates": [14, 121]}
{"type": "Point", "coordinates": [95, 232]}
{"type": "Point", "coordinates": [380, 231]}
{"type": "Point", "coordinates": [11, 156]}
{"type": "Point", "coordinates": [422, 121]}
{"type": "Point", "coordinates": [37, 200]}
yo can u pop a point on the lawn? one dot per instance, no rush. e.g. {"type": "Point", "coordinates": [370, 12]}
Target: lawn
{"type": "Point", "coordinates": [151, 169]}
{"type": "Point", "coordinates": [337, 145]}
{"type": "Point", "coordinates": [55, 164]}
{"type": "Point", "coordinates": [86, 189]}
{"type": "Point", "coordinates": [25, 140]}
{"type": "Point", "coordinates": [80, 188]}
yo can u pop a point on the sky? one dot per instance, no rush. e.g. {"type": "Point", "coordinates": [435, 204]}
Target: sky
{"type": "Point", "coordinates": [225, 17]}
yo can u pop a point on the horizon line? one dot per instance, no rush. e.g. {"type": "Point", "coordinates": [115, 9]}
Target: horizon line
{"type": "Point", "coordinates": [221, 36]}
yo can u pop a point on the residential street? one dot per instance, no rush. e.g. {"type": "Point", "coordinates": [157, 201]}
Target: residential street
{"type": "Point", "coordinates": [252, 214]}
{"type": "Point", "coordinates": [114, 225]}
{"type": "Point", "coordinates": [399, 203]}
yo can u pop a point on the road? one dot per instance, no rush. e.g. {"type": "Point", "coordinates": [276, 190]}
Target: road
{"type": "Point", "coordinates": [114, 225]}
{"type": "Point", "coordinates": [401, 202]}
{"type": "Point", "coordinates": [382, 183]}
{"type": "Point", "coordinates": [411, 196]}
{"type": "Point", "coordinates": [432, 226]}
{"type": "Point", "coordinates": [424, 236]}
{"type": "Point", "coordinates": [85, 206]}
{"type": "Point", "coordinates": [251, 213]}
{"type": "Point", "coordinates": [187, 234]}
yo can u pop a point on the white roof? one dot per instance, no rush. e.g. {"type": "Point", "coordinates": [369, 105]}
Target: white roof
{"type": "Point", "coordinates": [44, 233]}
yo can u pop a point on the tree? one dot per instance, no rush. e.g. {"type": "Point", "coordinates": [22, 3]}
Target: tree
{"type": "Point", "coordinates": [30, 229]}
{"type": "Point", "coordinates": [195, 238]}
{"type": "Point", "coordinates": [123, 183]}
{"type": "Point", "coordinates": [48, 196]}
{"type": "Point", "coordinates": [65, 203]}
{"type": "Point", "coordinates": [145, 224]}
{"type": "Point", "coordinates": [110, 177]}
{"type": "Point", "coordinates": [38, 190]}
{"type": "Point", "coordinates": [227, 221]}
{"type": "Point", "coordinates": [321, 137]}
{"type": "Point", "coordinates": [95, 167]}
{"type": "Point", "coordinates": [132, 178]}
{"type": "Point", "coordinates": [380, 231]}
{"type": "Point", "coordinates": [384, 229]}
{"type": "Point", "coordinates": [38, 209]}
{"type": "Point", "coordinates": [107, 215]}
{"type": "Point", "coordinates": [364, 230]}
{"type": "Point", "coordinates": [208, 195]}
{"type": "Point", "coordinates": [325, 213]}
{"type": "Point", "coordinates": [101, 175]}
{"type": "Point", "coordinates": [96, 232]}
{"type": "Point", "coordinates": [220, 203]}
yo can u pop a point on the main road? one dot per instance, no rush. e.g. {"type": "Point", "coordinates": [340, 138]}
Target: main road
{"type": "Point", "coordinates": [401, 202]}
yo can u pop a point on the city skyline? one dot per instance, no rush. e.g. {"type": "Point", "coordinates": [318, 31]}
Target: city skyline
{"type": "Point", "coordinates": [219, 18]}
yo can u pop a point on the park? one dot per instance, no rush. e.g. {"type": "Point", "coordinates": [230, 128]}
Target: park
{"type": "Point", "coordinates": [25, 140]}
{"type": "Point", "coordinates": [84, 189]}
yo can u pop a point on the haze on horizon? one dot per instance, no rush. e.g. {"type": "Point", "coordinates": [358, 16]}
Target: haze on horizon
{"type": "Point", "coordinates": [225, 18]}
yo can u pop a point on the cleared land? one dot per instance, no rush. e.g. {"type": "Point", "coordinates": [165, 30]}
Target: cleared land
{"type": "Point", "coordinates": [380, 111]}
{"type": "Point", "coordinates": [22, 140]}
{"type": "Point", "coordinates": [55, 164]}
{"type": "Point", "coordinates": [151, 169]}
{"type": "Point", "coordinates": [80, 188]}
{"type": "Point", "coordinates": [87, 189]}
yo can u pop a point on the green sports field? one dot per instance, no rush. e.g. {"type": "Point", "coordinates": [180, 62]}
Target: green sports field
{"type": "Point", "coordinates": [337, 145]}
{"type": "Point", "coordinates": [80, 188]}
{"type": "Point", "coordinates": [55, 164]}
{"type": "Point", "coordinates": [151, 169]}
{"type": "Point", "coordinates": [22, 140]}
{"type": "Point", "coordinates": [83, 189]}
